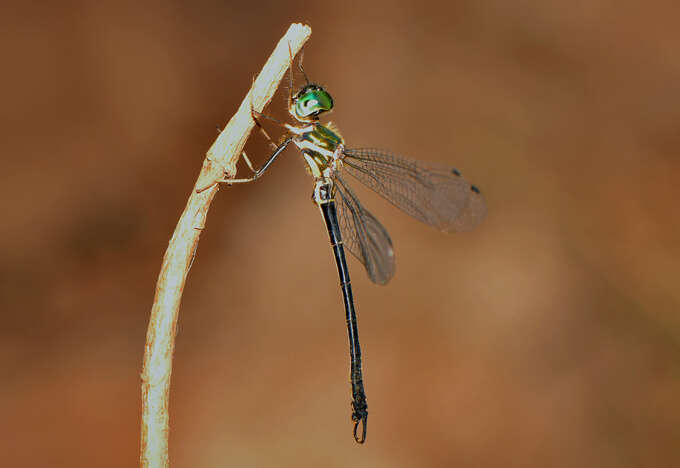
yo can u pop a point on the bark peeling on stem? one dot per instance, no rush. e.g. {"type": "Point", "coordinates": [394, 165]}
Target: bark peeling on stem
{"type": "Point", "coordinates": [220, 161]}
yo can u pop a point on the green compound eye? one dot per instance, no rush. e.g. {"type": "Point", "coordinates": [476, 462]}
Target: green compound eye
{"type": "Point", "coordinates": [313, 102]}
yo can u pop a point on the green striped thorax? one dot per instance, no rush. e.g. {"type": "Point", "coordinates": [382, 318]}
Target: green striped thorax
{"type": "Point", "coordinates": [311, 101]}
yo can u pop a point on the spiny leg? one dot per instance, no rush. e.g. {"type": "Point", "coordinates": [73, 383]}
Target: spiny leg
{"type": "Point", "coordinates": [277, 149]}
{"type": "Point", "coordinates": [302, 56]}
{"type": "Point", "coordinates": [290, 76]}
{"type": "Point", "coordinates": [255, 114]}
{"type": "Point", "coordinates": [243, 153]}
{"type": "Point", "coordinates": [263, 169]}
{"type": "Point", "coordinates": [248, 163]}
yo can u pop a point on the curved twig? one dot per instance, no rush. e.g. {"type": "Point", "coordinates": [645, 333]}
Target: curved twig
{"type": "Point", "coordinates": [220, 161]}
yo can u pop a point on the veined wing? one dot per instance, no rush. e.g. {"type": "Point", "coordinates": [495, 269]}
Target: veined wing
{"type": "Point", "coordinates": [363, 234]}
{"type": "Point", "coordinates": [435, 195]}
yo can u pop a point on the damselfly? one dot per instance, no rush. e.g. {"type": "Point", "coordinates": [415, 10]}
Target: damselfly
{"type": "Point", "coordinates": [436, 195]}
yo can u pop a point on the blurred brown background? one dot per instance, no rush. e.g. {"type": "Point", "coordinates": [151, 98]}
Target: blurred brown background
{"type": "Point", "coordinates": [547, 337]}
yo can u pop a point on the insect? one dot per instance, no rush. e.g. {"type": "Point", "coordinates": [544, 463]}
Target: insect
{"type": "Point", "coordinates": [436, 195]}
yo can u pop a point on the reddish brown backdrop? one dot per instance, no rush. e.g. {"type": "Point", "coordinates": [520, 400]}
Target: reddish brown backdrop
{"type": "Point", "coordinates": [547, 337]}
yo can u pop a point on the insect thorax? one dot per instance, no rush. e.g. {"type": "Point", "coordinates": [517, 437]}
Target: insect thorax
{"type": "Point", "coordinates": [318, 144]}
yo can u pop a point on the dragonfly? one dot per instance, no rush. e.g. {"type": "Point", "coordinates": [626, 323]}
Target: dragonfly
{"type": "Point", "coordinates": [437, 195]}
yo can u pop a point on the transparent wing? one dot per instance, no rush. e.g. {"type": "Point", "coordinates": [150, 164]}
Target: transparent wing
{"type": "Point", "coordinates": [436, 195]}
{"type": "Point", "coordinates": [363, 235]}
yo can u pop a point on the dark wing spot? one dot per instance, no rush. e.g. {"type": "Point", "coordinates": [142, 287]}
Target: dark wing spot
{"type": "Point", "coordinates": [456, 172]}
{"type": "Point", "coordinates": [474, 188]}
